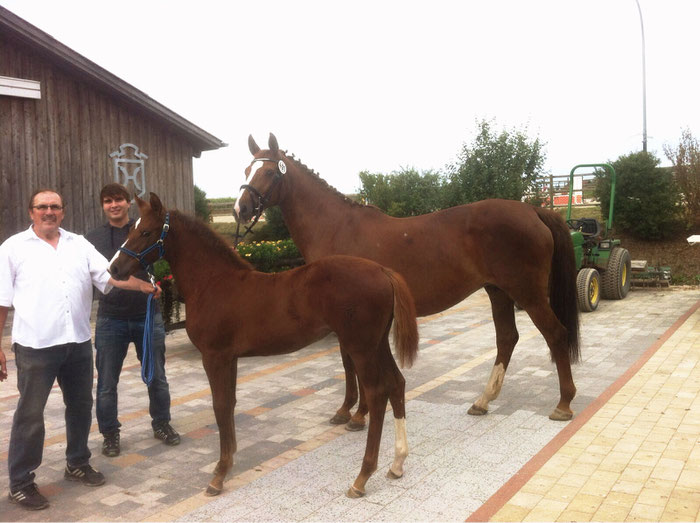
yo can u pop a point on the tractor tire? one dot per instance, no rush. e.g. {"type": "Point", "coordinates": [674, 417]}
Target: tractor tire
{"type": "Point", "coordinates": [588, 289]}
{"type": "Point", "coordinates": [617, 277]}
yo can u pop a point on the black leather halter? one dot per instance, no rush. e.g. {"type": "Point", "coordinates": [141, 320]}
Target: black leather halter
{"type": "Point", "coordinates": [259, 200]}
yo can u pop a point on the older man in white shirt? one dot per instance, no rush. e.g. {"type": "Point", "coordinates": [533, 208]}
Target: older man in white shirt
{"type": "Point", "coordinates": [47, 275]}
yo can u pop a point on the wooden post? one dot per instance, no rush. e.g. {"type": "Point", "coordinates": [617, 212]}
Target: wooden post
{"type": "Point", "coordinates": [551, 192]}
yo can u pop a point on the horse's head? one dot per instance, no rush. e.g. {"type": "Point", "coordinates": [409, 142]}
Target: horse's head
{"type": "Point", "coordinates": [263, 176]}
{"type": "Point", "coordinates": [144, 244]}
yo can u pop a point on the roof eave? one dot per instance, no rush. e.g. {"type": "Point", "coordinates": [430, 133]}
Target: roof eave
{"type": "Point", "coordinates": [46, 44]}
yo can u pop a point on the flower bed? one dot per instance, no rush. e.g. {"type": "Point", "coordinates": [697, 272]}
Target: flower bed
{"type": "Point", "coordinates": [272, 256]}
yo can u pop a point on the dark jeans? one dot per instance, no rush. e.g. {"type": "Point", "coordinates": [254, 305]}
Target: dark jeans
{"type": "Point", "coordinates": [112, 338]}
{"type": "Point", "coordinates": [37, 369]}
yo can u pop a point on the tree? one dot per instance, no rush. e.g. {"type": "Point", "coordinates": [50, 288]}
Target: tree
{"type": "Point", "coordinates": [403, 193]}
{"type": "Point", "coordinates": [275, 227]}
{"type": "Point", "coordinates": [646, 198]}
{"type": "Point", "coordinates": [201, 208]}
{"type": "Point", "coordinates": [686, 166]}
{"type": "Point", "coordinates": [496, 165]}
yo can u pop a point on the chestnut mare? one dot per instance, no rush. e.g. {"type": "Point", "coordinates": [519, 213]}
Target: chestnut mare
{"type": "Point", "coordinates": [518, 252]}
{"type": "Point", "coordinates": [234, 311]}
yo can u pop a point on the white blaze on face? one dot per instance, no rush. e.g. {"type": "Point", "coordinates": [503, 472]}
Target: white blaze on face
{"type": "Point", "coordinates": [253, 171]}
{"type": "Point", "coordinates": [116, 254]}
{"type": "Point", "coordinates": [236, 207]}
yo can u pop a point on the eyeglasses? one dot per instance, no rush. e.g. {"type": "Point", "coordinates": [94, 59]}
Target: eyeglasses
{"type": "Point", "coordinates": [43, 207]}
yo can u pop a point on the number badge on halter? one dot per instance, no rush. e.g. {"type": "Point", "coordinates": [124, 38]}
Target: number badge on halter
{"type": "Point", "coordinates": [282, 167]}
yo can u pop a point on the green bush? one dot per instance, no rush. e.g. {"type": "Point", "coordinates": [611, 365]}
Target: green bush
{"type": "Point", "coordinates": [496, 164]}
{"type": "Point", "coordinates": [271, 229]}
{"type": "Point", "coordinates": [403, 193]}
{"type": "Point", "coordinates": [686, 164]}
{"type": "Point", "coordinates": [161, 269]}
{"type": "Point", "coordinates": [201, 207]}
{"type": "Point", "coordinates": [274, 227]}
{"type": "Point", "coordinates": [272, 256]}
{"type": "Point", "coordinates": [169, 298]}
{"type": "Point", "coordinates": [647, 201]}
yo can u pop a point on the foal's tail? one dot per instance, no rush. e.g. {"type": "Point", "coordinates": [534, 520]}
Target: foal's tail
{"type": "Point", "coordinates": [405, 325]}
{"type": "Point", "coordinates": [562, 291]}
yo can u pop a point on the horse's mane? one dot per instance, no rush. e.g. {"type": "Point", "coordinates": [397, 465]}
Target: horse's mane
{"type": "Point", "coordinates": [213, 240]}
{"type": "Point", "coordinates": [323, 183]}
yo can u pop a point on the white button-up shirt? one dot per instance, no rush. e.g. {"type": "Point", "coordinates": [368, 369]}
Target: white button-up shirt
{"type": "Point", "coordinates": [50, 289]}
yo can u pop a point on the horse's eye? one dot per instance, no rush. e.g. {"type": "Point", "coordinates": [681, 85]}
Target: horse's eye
{"type": "Point", "coordinates": [146, 233]}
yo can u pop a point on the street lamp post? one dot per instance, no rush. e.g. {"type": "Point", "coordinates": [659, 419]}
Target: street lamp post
{"type": "Point", "coordinates": [644, 83]}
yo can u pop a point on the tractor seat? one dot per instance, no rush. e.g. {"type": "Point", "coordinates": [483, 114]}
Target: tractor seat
{"type": "Point", "coordinates": [590, 227]}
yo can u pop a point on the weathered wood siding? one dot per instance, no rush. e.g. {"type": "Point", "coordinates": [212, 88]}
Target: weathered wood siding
{"type": "Point", "coordinates": [64, 141]}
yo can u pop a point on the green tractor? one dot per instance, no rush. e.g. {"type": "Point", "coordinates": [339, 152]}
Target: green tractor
{"type": "Point", "coordinates": [604, 267]}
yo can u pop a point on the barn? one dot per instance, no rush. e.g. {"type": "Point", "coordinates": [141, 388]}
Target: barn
{"type": "Point", "coordinates": [66, 123]}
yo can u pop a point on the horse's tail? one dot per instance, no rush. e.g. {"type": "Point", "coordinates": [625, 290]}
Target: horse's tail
{"type": "Point", "coordinates": [562, 291]}
{"type": "Point", "coordinates": [405, 325]}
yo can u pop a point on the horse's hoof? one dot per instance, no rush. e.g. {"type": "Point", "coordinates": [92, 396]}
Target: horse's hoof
{"type": "Point", "coordinates": [476, 411]}
{"type": "Point", "coordinates": [212, 491]}
{"type": "Point", "coordinates": [560, 415]}
{"type": "Point", "coordinates": [393, 475]}
{"type": "Point", "coordinates": [339, 419]}
{"type": "Point", "coordinates": [354, 426]}
{"type": "Point", "coordinates": [354, 493]}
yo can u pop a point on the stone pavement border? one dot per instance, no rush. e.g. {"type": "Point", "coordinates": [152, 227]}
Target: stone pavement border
{"type": "Point", "coordinates": [501, 507]}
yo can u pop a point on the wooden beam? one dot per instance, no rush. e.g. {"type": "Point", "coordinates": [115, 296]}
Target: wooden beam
{"type": "Point", "coordinates": [20, 88]}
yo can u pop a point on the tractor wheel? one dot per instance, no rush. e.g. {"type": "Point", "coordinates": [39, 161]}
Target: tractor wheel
{"type": "Point", "coordinates": [617, 277]}
{"type": "Point", "coordinates": [588, 289]}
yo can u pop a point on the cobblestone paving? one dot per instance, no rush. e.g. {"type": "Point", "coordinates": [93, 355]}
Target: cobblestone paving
{"type": "Point", "coordinates": [293, 465]}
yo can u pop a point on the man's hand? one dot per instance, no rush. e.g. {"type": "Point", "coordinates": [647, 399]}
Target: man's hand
{"type": "Point", "coordinates": [134, 284]}
{"type": "Point", "coordinates": [147, 288]}
{"type": "Point", "coordinates": [3, 366]}
{"type": "Point", "coordinates": [3, 360]}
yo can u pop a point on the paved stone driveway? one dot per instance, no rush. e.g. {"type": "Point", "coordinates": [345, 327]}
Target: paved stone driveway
{"type": "Point", "coordinates": [292, 465]}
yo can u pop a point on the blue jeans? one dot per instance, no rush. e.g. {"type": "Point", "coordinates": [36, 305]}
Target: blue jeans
{"type": "Point", "coordinates": [37, 369]}
{"type": "Point", "coordinates": [112, 338]}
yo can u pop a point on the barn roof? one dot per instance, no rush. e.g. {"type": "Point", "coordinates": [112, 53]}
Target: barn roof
{"type": "Point", "coordinates": [15, 27]}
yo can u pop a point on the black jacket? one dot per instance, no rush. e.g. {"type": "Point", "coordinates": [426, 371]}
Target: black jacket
{"type": "Point", "coordinates": [117, 303]}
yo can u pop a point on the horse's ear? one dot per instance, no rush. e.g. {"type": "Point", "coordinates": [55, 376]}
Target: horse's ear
{"type": "Point", "coordinates": [272, 144]}
{"type": "Point", "coordinates": [141, 203]}
{"type": "Point", "coordinates": [156, 205]}
{"type": "Point", "coordinates": [252, 146]}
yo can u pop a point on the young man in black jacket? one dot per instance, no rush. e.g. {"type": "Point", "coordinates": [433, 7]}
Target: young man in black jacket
{"type": "Point", "coordinates": [120, 321]}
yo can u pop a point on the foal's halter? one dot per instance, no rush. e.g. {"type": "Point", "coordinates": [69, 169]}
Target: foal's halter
{"type": "Point", "coordinates": [140, 256]}
{"type": "Point", "coordinates": [147, 361]}
{"type": "Point", "coordinates": [259, 200]}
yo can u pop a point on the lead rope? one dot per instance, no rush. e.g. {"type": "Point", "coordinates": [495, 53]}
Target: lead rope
{"type": "Point", "coordinates": [239, 237]}
{"type": "Point", "coordinates": [147, 362]}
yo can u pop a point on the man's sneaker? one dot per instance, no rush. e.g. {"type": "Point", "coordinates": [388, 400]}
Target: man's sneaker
{"type": "Point", "coordinates": [165, 432]}
{"type": "Point", "coordinates": [85, 474]}
{"type": "Point", "coordinates": [29, 497]}
{"type": "Point", "coordinates": [110, 445]}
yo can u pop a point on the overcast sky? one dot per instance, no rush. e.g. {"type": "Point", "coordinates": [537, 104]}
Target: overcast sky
{"type": "Point", "coordinates": [382, 85]}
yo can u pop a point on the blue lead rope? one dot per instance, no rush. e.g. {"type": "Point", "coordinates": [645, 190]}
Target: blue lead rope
{"type": "Point", "coordinates": [147, 362]}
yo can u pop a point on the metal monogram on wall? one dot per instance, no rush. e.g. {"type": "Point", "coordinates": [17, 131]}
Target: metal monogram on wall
{"type": "Point", "coordinates": [130, 167]}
